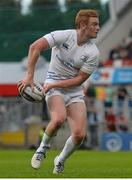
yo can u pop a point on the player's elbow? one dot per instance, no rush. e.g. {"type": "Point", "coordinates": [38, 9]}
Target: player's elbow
{"type": "Point", "coordinates": [34, 48]}
{"type": "Point", "coordinates": [80, 81]}
{"type": "Point", "coordinates": [82, 77]}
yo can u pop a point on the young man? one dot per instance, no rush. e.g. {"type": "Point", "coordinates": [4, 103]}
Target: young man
{"type": "Point", "coordinates": [74, 57]}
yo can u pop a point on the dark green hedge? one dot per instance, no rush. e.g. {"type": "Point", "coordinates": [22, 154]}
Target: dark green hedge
{"type": "Point", "coordinates": [17, 32]}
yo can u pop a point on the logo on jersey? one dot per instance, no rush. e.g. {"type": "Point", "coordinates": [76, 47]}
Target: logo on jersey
{"type": "Point", "coordinates": [83, 58]}
{"type": "Point", "coordinates": [65, 45]}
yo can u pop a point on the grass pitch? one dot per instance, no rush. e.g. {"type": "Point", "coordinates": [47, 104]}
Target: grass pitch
{"type": "Point", "coordinates": [82, 164]}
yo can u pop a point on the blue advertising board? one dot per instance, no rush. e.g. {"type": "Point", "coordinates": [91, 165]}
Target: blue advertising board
{"type": "Point", "coordinates": [122, 76]}
{"type": "Point", "coordinates": [112, 76]}
{"type": "Point", "coordinates": [116, 141]}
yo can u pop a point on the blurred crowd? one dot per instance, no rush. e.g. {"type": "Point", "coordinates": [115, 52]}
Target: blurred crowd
{"type": "Point", "coordinates": [120, 55]}
{"type": "Point", "coordinates": [110, 106]}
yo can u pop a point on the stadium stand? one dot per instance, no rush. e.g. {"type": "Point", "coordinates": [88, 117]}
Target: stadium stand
{"type": "Point", "coordinates": [121, 55]}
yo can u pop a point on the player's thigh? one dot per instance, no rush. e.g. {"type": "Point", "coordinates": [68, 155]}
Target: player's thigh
{"type": "Point", "coordinates": [76, 113]}
{"type": "Point", "coordinates": [56, 107]}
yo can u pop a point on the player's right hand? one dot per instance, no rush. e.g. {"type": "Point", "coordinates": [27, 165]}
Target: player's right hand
{"type": "Point", "coordinates": [25, 82]}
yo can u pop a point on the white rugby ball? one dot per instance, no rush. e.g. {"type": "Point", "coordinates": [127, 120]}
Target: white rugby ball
{"type": "Point", "coordinates": [36, 95]}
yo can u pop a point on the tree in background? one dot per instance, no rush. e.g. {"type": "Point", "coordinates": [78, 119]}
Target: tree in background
{"type": "Point", "coordinates": [8, 3]}
{"type": "Point", "coordinates": [44, 2]}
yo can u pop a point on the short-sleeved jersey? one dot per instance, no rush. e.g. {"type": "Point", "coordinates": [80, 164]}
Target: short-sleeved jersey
{"type": "Point", "coordinates": [67, 58]}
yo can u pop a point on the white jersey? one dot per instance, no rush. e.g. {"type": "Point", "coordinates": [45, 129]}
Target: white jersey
{"type": "Point", "coordinates": [67, 58]}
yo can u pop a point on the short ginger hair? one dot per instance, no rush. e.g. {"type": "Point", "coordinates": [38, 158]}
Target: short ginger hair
{"type": "Point", "coordinates": [84, 15]}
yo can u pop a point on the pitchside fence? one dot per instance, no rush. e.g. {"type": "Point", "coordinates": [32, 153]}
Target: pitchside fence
{"type": "Point", "coordinates": [15, 116]}
{"type": "Point", "coordinates": [20, 123]}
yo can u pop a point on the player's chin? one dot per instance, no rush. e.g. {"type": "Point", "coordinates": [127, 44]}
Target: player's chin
{"type": "Point", "coordinates": [94, 36]}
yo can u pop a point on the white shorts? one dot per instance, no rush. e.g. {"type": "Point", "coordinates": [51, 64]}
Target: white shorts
{"type": "Point", "coordinates": [69, 95]}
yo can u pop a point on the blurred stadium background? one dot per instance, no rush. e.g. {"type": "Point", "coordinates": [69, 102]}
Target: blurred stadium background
{"type": "Point", "coordinates": [108, 92]}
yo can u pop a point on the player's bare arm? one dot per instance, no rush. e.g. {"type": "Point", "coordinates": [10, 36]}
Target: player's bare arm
{"type": "Point", "coordinates": [76, 81]}
{"type": "Point", "coordinates": [34, 52]}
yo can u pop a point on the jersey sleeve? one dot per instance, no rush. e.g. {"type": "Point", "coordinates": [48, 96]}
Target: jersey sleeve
{"type": "Point", "coordinates": [56, 38]}
{"type": "Point", "coordinates": [91, 63]}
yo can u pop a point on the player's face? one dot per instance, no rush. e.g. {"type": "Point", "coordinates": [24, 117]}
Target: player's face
{"type": "Point", "coordinates": [92, 28]}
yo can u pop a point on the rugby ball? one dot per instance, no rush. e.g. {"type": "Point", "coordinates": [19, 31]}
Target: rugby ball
{"type": "Point", "coordinates": [34, 96]}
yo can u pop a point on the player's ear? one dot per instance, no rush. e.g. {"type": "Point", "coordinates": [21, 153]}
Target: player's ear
{"type": "Point", "coordinates": [82, 25]}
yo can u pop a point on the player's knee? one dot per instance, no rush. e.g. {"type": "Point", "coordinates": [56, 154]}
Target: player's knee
{"type": "Point", "coordinates": [58, 120]}
{"type": "Point", "coordinates": [58, 123]}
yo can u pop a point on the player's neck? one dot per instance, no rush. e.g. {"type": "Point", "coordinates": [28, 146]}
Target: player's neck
{"type": "Point", "coordinates": [81, 38]}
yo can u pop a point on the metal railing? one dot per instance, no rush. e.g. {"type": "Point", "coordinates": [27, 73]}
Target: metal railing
{"type": "Point", "coordinates": [13, 112]}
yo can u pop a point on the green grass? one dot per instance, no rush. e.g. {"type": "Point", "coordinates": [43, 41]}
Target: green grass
{"type": "Point", "coordinates": [82, 164]}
